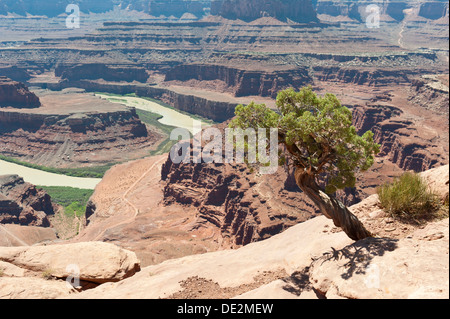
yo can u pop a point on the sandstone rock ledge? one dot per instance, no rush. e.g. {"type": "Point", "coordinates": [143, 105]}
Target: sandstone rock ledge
{"type": "Point", "coordinates": [309, 260]}
{"type": "Point", "coordinates": [41, 271]}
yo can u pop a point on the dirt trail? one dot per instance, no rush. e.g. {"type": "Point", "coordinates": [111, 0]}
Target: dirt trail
{"type": "Point", "coordinates": [125, 199]}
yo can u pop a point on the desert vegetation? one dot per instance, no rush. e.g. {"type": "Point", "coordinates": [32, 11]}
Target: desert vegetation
{"type": "Point", "coordinates": [321, 145]}
{"type": "Point", "coordinates": [73, 200]}
{"type": "Point", "coordinates": [409, 198]}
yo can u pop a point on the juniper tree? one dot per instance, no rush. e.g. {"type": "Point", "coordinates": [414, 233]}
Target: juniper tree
{"type": "Point", "coordinates": [320, 142]}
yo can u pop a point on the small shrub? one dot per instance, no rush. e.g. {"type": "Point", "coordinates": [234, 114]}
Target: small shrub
{"type": "Point", "coordinates": [409, 198]}
{"type": "Point", "coordinates": [47, 274]}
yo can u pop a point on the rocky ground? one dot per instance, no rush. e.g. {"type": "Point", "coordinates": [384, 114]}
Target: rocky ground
{"type": "Point", "coordinates": [310, 260]}
{"type": "Point", "coordinates": [220, 231]}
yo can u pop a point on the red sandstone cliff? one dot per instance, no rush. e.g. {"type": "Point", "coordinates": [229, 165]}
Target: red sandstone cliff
{"type": "Point", "coordinates": [249, 10]}
{"type": "Point", "coordinates": [16, 94]}
{"type": "Point", "coordinates": [242, 81]}
{"type": "Point", "coordinates": [21, 203]}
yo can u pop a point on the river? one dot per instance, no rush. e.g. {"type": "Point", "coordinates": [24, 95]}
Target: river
{"type": "Point", "coordinates": [169, 116]}
{"type": "Point", "coordinates": [38, 177]}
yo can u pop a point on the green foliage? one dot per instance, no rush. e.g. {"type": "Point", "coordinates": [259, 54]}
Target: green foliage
{"type": "Point", "coordinates": [75, 209]}
{"type": "Point", "coordinates": [409, 198]}
{"type": "Point", "coordinates": [74, 200]}
{"type": "Point", "coordinates": [317, 132]}
{"type": "Point", "coordinates": [47, 274]}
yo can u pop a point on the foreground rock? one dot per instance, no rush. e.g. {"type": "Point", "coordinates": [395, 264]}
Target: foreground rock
{"type": "Point", "coordinates": [312, 259]}
{"type": "Point", "coordinates": [282, 267]}
{"type": "Point", "coordinates": [412, 267]}
{"type": "Point", "coordinates": [43, 269]}
{"type": "Point", "coordinates": [98, 262]}
{"type": "Point", "coordinates": [229, 273]}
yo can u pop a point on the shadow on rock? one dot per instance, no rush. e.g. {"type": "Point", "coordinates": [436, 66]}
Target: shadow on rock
{"type": "Point", "coordinates": [360, 254]}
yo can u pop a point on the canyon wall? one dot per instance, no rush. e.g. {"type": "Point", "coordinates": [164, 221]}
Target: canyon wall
{"type": "Point", "coordinates": [362, 76]}
{"type": "Point", "coordinates": [242, 82]}
{"type": "Point", "coordinates": [16, 94]}
{"type": "Point", "coordinates": [215, 110]}
{"type": "Point", "coordinates": [52, 8]}
{"type": "Point", "coordinates": [91, 71]}
{"type": "Point", "coordinates": [403, 141]}
{"type": "Point", "coordinates": [243, 206]}
{"type": "Point", "coordinates": [393, 10]}
{"type": "Point", "coordinates": [21, 203]}
{"type": "Point", "coordinates": [248, 10]}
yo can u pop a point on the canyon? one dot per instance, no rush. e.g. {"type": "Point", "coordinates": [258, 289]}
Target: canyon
{"type": "Point", "coordinates": [205, 57]}
{"type": "Point", "coordinates": [71, 129]}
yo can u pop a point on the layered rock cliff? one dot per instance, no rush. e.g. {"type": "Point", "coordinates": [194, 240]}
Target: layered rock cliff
{"type": "Point", "coordinates": [249, 10]}
{"type": "Point", "coordinates": [240, 82]}
{"type": "Point", "coordinates": [403, 141]}
{"type": "Point", "coordinates": [211, 108]}
{"type": "Point", "coordinates": [389, 10]}
{"type": "Point", "coordinates": [92, 71]}
{"type": "Point", "coordinates": [242, 205]}
{"type": "Point", "coordinates": [21, 203]}
{"type": "Point", "coordinates": [16, 94]}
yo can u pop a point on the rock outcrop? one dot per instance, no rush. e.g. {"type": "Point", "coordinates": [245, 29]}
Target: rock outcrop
{"type": "Point", "coordinates": [389, 10]}
{"type": "Point", "coordinates": [241, 206]}
{"type": "Point", "coordinates": [248, 10]}
{"type": "Point", "coordinates": [415, 267]}
{"type": "Point", "coordinates": [431, 92]}
{"type": "Point", "coordinates": [50, 271]}
{"type": "Point", "coordinates": [402, 141]}
{"type": "Point", "coordinates": [240, 82]}
{"type": "Point", "coordinates": [279, 267]}
{"type": "Point", "coordinates": [14, 73]}
{"type": "Point", "coordinates": [92, 71]}
{"type": "Point", "coordinates": [280, 255]}
{"type": "Point", "coordinates": [16, 94]}
{"type": "Point", "coordinates": [361, 76]}
{"type": "Point", "coordinates": [21, 203]}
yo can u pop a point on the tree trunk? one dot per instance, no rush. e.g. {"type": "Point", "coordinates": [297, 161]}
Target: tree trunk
{"type": "Point", "coordinates": [330, 206]}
